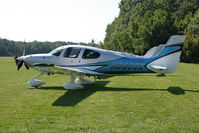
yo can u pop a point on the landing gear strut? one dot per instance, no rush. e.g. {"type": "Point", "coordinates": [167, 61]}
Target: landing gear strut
{"type": "Point", "coordinates": [36, 83]}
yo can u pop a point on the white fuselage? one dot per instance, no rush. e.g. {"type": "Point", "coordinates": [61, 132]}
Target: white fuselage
{"type": "Point", "coordinates": [61, 60]}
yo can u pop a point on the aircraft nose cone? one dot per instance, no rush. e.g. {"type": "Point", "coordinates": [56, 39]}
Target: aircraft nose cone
{"type": "Point", "coordinates": [24, 58]}
{"type": "Point", "coordinates": [20, 58]}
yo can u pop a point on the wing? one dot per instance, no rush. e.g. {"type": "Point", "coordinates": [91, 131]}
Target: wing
{"type": "Point", "coordinates": [64, 69]}
{"type": "Point", "coordinates": [79, 70]}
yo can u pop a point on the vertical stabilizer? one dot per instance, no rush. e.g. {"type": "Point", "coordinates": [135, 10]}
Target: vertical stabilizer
{"type": "Point", "coordinates": [167, 60]}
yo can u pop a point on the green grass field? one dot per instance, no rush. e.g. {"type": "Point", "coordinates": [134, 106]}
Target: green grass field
{"type": "Point", "coordinates": [142, 103]}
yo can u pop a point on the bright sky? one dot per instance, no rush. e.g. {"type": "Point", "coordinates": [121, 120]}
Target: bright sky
{"type": "Point", "coordinates": [56, 20]}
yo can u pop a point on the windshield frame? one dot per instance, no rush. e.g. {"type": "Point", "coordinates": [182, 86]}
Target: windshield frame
{"type": "Point", "coordinates": [57, 50]}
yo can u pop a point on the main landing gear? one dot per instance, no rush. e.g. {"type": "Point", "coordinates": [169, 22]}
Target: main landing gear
{"type": "Point", "coordinates": [76, 84]}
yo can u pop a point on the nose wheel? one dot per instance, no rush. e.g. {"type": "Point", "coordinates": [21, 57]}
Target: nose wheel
{"type": "Point", "coordinates": [36, 83]}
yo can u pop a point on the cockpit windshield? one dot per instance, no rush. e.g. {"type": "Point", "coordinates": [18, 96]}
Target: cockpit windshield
{"type": "Point", "coordinates": [57, 51]}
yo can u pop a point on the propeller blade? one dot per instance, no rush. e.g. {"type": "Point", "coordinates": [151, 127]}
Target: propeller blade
{"type": "Point", "coordinates": [24, 51]}
{"type": "Point", "coordinates": [27, 67]}
{"type": "Point", "coordinates": [19, 65]}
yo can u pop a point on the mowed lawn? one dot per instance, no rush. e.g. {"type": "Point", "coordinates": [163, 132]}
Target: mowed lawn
{"type": "Point", "coordinates": [126, 104]}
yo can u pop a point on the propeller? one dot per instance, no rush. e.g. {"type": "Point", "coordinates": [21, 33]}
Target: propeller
{"type": "Point", "coordinates": [19, 63]}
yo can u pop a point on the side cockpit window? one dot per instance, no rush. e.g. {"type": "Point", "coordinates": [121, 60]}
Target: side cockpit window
{"type": "Point", "coordinates": [72, 52]}
{"type": "Point", "coordinates": [90, 54]}
{"type": "Point", "coordinates": [56, 52]}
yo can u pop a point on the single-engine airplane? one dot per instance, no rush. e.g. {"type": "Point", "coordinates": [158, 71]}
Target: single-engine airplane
{"type": "Point", "coordinates": [80, 61]}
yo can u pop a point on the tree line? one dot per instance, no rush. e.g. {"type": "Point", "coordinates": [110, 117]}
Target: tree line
{"type": "Point", "coordinates": [142, 24]}
{"type": "Point", "coordinates": [13, 48]}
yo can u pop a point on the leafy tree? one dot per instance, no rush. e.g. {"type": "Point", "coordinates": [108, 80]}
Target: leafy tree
{"type": "Point", "coordinates": [142, 24]}
{"type": "Point", "coordinates": [191, 46]}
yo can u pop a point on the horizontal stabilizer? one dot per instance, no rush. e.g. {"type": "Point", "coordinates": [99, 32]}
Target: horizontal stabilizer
{"type": "Point", "coordinates": [158, 69]}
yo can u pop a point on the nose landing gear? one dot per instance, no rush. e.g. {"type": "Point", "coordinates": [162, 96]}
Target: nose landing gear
{"type": "Point", "coordinates": [36, 83]}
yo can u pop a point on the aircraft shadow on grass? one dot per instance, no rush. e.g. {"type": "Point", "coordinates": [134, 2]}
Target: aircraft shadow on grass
{"type": "Point", "coordinates": [73, 97]}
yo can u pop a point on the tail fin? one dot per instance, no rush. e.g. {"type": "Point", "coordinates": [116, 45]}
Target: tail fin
{"type": "Point", "coordinates": [169, 57]}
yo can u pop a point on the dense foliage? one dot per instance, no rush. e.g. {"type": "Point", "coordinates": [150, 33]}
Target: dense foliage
{"type": "Point", "coordinates": [141, 24]}
{"type": "Point", "coordinates": [191, 47]}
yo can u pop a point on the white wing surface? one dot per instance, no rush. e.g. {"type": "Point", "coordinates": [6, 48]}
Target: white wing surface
{"type": "Point", "coordinates": [80, 70]}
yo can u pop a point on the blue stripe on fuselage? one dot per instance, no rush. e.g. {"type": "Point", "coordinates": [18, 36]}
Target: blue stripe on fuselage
{"type": "Point", "coordinates": [125, 65]}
